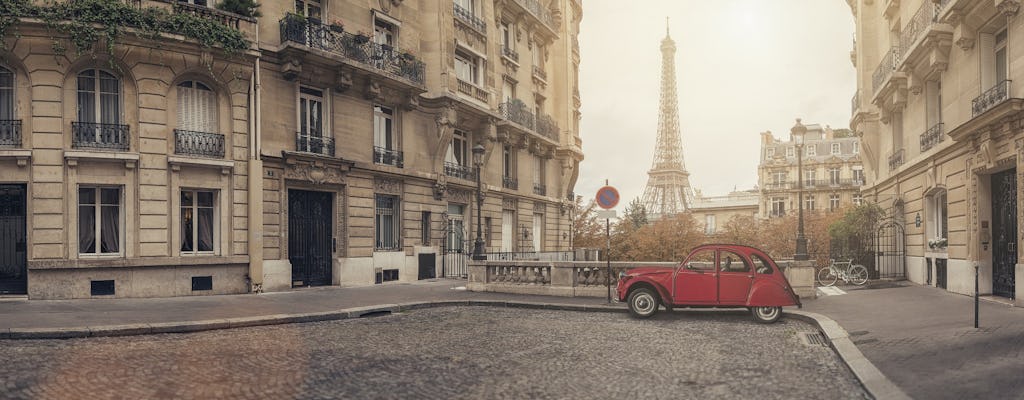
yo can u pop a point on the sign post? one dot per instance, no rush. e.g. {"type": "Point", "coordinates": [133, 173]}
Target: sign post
{"type": "Point", "coordinates": [607, 198]}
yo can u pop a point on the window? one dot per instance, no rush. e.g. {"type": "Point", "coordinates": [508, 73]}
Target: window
{"type": "Point", "coordinates": [790, 153]}
{"type": "Point", "coordinates": [508, 90]}
{"type": "Point", "coordinates": [99, 220]}
{"type": "Point", "coordinates": [539, 172]}
{"type": "Point", "coordinates": [858, 199]}
{"type": "Point", "coordinates": [810, 150]}
{"type": "Point", "coordinates": [770, 152]}
{"type": "Point", "coordinates": [425, 228]}
{"type": "Point", "coordinates": [809, 177]}
{"type": "Point", "coordinates": [1000, 56]}
{"type": "Point", "coordinates": [99, 97]}
{"type": "Point", "coordinates": [538, 56]}
{"type": "Point", "coordinates": [508, 39]}
{"type": "Point", "coordinates": [835, 148]}
{"type": "Point", "coordinates": [937, 216]}
{"type": "Point", "coordinates": [858, 175]}
{"type": "Point", "coordinates": [308, 8]}
{"type": "Point", "coordinates": [508, 235]}
{"type": "Point", "coordinates": [833, 202]}
{"type": "Point", "coordinates": [809, 203]}
{"type": "Point", "coordinates": [383, 33]}
{"type": "Point", "coordinates": [467, 67]}
{"type": "Point", "coordinates": [6, 94]}
{"type": "Point", "coordinates": [732, 262]}
{"type": "Point", "coordinates": [383, 127]}
{"type": "Point", "coordinates": [538, 232]}
{"type": "Point", "coordinates": [833, 175]}
{"type": "Point", "coordinates": [709, 224]}
{"type": "Point", "coordinates": [311, 123]}
{"type": "Point", "coordinates": [856, 147]}
{"type": "Point", "coordinates": [195, 2]}
{"type": "Point", "coordinates": [778, 206]}
{"type": "Point", "coordinates": [459, 150]}
{"type": "Point", "coordinates": [456, 232]}
{"type": "Point", "coordinates": [197, 107]}
{"type": "Point", "coordinates": [487, 231]}
{"type": "Point", "coordinates": [703, 260]}
{"type": "Point", "coordinates": [197, 221]}
{"type": "Point", "coordinates": [780, 177]}
{"type": "Point", "coordinates": [761, 265]}
{"type": "Point", "coordinates": [387, 234]}
{"type": "Point", "coordinates": [468, 5]}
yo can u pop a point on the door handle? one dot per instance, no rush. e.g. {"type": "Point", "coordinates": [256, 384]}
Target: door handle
{"type": "Point", "coordinates": [750, 276]}
{"type": "Point", "coordinates": [1011, 246]}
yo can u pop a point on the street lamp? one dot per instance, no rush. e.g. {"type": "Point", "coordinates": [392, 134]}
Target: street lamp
{"type": "Point", "coordinates": [797, 134]}
{"type": "Point", "coordinates": [478, 161]}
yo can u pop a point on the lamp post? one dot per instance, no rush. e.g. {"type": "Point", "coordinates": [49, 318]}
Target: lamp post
{"type": "Point", "coordinates": [797, 133]}
{"type": "Point", "coordinates": [478, 161]}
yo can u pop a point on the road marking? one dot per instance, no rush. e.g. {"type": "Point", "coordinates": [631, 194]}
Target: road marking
{"type": "Point", "coordinates": [830, 291]}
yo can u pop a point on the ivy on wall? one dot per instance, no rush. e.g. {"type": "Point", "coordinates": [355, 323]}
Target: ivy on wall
{"type": "Point", "coordinates": [86, 22]}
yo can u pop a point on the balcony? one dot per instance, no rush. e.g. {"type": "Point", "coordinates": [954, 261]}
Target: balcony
{"type": "Point", "coordinates": [895, 160]}
{"type": "Point", "coordinates": [539, 13]}
{"type": "Point", "coordinates": [459, 171]}
{"type": "Point", "coordinates": [473, 90]}
{"type": "Point", "coordinates": [200, 144]}
{"type": "Point", "coordinates": [359, 49]}
{"type": "Point", "coordinates": [470, 19]}
{"type": "Point", "coordinates": [386, 156]}
{"type": "Point", "coordinates": [779, 186]}
{"type": "Point", "coordinates": [509, 182]}
{"type": "Point", "coordinates": [884, 71]}
{"type": "Point", "coordinates": [315, 144]}
{"type": "Point", "coordinates": [540, 188]}
{"type": "Point", "coordinates": [547, 127]}
{"type": "Point", "coordinates": [925, 42]}
{"type": "Point", "coordinates": [91, 135]}
{"type": "Point", "coordinates": [931, 137]}
{"type": "Point", "coordinates": [992, 97]}
{"type": "Point", "coordinates": [230, 19]}
{"type": "Point", "coordinates": [516, 111]}
{"type": "Point", "coordinates": [10, 133]}
{"type": "Point", "coordinates": [538, 72]}
{"type": "Point", "coordinates": [510, 53]}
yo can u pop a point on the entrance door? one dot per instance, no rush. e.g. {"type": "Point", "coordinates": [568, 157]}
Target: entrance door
{"type": "Point", "coordinates": [697, 280]}
{"type": "Point", "coordinates": [735, 278]}
{"type": "Point", "coordinates": [1004, 232]}
{"type": "Point", "coordinates": [310, 237]}
{"type": "Point", "coordinates": [13, 254]}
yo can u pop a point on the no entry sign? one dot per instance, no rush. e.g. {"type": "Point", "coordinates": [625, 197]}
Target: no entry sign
{"type": "Point", "coordinates": [607, 197]}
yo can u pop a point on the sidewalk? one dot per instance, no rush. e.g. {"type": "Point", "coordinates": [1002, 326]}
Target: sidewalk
{"type": "Point", "coordinates": [923, 339]}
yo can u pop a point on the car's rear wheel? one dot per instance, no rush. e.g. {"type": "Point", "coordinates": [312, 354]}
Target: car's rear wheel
{"type": "Point", "coordinates": [643, 303]}
{"type": "Point", "coordinates": [826, 277]}
{"type": "Point", "coordinates": [766, 315]}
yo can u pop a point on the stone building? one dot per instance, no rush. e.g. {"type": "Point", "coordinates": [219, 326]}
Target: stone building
{"type": "Point", "coordinates": [715, 211]}
{"type": "Point", "coordinates": [832, 172]}
{"type": "Point", "coordinates": [942, 132]}
{"type": "Point", "coordinates": [336, 149]}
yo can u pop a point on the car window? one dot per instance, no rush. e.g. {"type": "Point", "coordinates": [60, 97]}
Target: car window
{"type": "Point", "coordinates": [761, 265]}
{"type": "Point", "coordinates": [732, 262]}
{"type": "Point", "coordinates": [703, 260]}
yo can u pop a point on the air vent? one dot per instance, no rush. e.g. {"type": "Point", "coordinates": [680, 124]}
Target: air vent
{"type": "Point", "coordinates": [390, 275]}
{"type": "Point", "coordinates": [813, 339]}
{"type": "Point", "coordinates": [202, 283]}
{"type": "Point", "coordinates": [102, 288]}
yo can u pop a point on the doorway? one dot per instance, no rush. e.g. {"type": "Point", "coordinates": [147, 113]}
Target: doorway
{"type": "Point", "coordinates": [1004, 232]}
{"type": "Point", "coordinates": [310, 237]}
{"type": "Point", "coordinates": [13, 240]}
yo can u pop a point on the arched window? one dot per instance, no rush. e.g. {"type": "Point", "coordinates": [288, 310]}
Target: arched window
{"type": "Point", "coordinates": [6, 94]}
{"type": "Point", "coordinates": [197, 107]}
{"type": "Point", "coordinates": [99, 97]}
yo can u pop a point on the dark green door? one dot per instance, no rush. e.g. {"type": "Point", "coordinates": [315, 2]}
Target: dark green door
{"type": "Point", "coordinates": [13, 246]}
{"type": "Point", "coordinates": [1004, 232]}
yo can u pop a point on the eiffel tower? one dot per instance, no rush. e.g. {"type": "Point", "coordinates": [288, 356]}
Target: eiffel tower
{"type": "Point", "coordinates": [668, 189]}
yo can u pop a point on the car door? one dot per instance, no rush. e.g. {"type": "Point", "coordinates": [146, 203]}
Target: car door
{"type": "Point", "coordinates": [734, 279]}
{"type": "Point", "coordinates": [696, 281]}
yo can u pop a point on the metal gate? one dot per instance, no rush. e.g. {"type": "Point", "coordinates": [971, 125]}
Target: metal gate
{"type": "Point", "coordinates": [890, 252]}
{"type": "Point", "coordinates": [456, 251]}
{"type": "Point", "coordinates": [1004, 232]}
{"type": "Point", "coordinates": [310, 237]}
{"type": "Point", "coordinates": [13, 247]}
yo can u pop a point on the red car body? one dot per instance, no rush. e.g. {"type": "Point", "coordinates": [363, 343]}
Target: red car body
{"type": "Point", "coordinates": [738, 276]}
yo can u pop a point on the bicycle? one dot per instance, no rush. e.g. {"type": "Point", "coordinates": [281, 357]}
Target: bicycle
{"type": "Point", "coordinates": [845, 270]}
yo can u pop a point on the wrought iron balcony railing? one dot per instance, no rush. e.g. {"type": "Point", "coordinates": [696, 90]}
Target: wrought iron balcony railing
{"type": "Point", "coordinates": [538, 11]}
{"type": "Point", "coordinates": [539, 72]}
{"type": "Point", "coordinates": [547, 127]}
{"type": "Point", "coordinates": [459, 171]}
{"type": "Point", "coordinates": [386, 156]}
{"type": "Point", "coordinates": [516, 111]}
{"type": "Point", "coordinates": [918, 25]}
{"type": "Point", "coordinates": [509, 182]}
{"type": "Point", "coordinates": [91, 135]}
{"type": "Point", "coordinates": [540, 188]}
{"type": "Point", "coordinates": [885, 68]}
{"type": "Point", "coordinates": [315, 143]}
{"type": "Point", "coordinates": [469, 18]}
{"type": "Point", "coordinates": [198, 143]}
{"type": "Point", "coordinates": [358, 48]}
{"type": "Point", "coordinates": [931, 137]}
{"type": "Point", "coordinates": [895, 159]}
{"type": "Point", "coordinates": [993, 96]}
{"type": "Point", "coordinates": [10, 133]}
{"type": "Point", "coordinates": [510, 53]}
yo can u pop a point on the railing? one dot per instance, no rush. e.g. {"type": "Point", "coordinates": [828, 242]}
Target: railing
{"type": "Point", "coordinates": [517, 111]}
{"type": "Point", "coordinates": [538, 71]}
{"type": "Point", "coordinates": [885, 68]}
{"type": "Point", "coordinates": [547, 127]}
{"type": "Point", "coordinates": [538, 11]}
{"type": "Point", "coordinates": [941, 6]}
{"type": "Point", "coordinates": [510, 53]}
{"type": "Point", "coordinates": [10, 133]}
{"type": "Point", "coordinates": [198, 143]}
{"type": "Point", "coordinates": [531, 256]}
{"type": "Point", "coordinates": [540, 188]}
{"type": "Point", "coordinates": [315, 144]}
{"type": "Point", "coordinates": [931, 137]}
{"type": "Point", "coordinates": [990, 98]}
{"type": "Point", "coordinates": [387, 156]}
{"type": "Point", "coordinates": [230, 19]}
{"type": "Point", "coordinates": [509, 182]}
{"type": "Point", "coordinates": [778, 185]}
{"type": "Point", "coordinates": [469, 18]}
{"type": "Point", "coordinates": [895, 160]}
{"type": "Point", "coordinates": [472, 90]}
{"type": "Point", "coordinates": [459, 171]}
{"type": "Point", "coordinates": [358, 48]}
{"type": "Point", "coordinates": [918, 24]}
{"type": "Point", "coordinates": [91, 135]}
{"type": "Point", "coordinates": [516, 274]}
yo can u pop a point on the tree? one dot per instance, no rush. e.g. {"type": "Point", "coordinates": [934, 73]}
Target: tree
{"type": "Point", "coordinates": [245, 8]}
{"type": "Point", "coordinates": [635, 213]}
{"type": "Point", "coordinates": [852, 234]}
{"type": "Point", "coordinates": [587, 229]}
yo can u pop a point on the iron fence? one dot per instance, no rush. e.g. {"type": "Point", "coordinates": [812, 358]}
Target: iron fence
{"type": "Point", "coordinates": [990, 98]}
{"type": "Point", "coordinates": [91, 135]}
{"type": "Point", "coordinates": [198, 143]}
{"type": "Point", "coordinates": [10, 133]}
{"type": "Point", "coordinates": [314, 144]}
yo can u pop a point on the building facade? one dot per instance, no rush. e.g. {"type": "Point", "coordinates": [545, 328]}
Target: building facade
{"type": "Point", "coordinates": [942, 132]}
{"type": "Point", "coordinates": [832, 172]}
{"type": "Point", "coordinates": [346, 133]}
{"type": "Point", "coordinates": [715, 211]}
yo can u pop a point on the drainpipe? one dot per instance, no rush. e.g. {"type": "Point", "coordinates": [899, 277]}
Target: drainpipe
{"type": "Point", "coordinates": [255, 175]}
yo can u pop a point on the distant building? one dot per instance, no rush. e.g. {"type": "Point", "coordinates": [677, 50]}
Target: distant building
{"type": "Point", "coordinates": [714, 211]}
{"type": "Point", "coordinates": [832, 172]}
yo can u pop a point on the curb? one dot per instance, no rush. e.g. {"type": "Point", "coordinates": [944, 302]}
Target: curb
{"type": "Point", "coordinates": [876, 383]}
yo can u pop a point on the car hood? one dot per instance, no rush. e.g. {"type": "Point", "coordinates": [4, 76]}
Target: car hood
{"type": "Point", "coordinates": [641, 271]}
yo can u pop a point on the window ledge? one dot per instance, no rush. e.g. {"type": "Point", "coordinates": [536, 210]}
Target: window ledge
{"type": "Point", "coordinates": [21, 155]}
{"type": "Point", "coordinates": [121, 262]}
{"type": "Point", "coordinates": [72, 157]}
{"type": "Point", "coordinates": [176, 162]}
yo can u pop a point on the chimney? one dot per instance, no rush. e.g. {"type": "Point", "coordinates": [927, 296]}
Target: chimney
{"type": "Point", "coordinates": [829, 135]}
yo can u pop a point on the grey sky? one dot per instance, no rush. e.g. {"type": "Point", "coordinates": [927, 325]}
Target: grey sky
{"type": "Point", "coordinates": [742, 67]}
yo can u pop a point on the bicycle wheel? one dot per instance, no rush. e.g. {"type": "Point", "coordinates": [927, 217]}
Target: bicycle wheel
{"type": "Point", "coordinates": [826, 277]}
{"type": "Point", "coordinates": [858, 274]}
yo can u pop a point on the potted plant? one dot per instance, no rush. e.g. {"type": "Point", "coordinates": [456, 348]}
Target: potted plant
{"type": "Point", "coordinates": [337, 26]}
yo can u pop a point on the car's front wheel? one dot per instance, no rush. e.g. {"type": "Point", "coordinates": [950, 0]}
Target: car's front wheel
{"type": "Point", "coordinates": [766, 315]}
{"type": "Point", "coordinates": [643, 303]}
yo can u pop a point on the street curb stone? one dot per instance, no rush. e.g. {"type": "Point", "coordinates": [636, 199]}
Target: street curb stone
{"type": "Point", "coordinates": [874, 381]}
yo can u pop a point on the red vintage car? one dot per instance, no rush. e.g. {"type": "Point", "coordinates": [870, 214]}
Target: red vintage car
{"type": "Point", "coordinates": [712, 275]}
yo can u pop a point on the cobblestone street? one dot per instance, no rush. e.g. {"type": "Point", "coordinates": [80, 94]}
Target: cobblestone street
{"type": "Point", "coordinates": [449, 352]}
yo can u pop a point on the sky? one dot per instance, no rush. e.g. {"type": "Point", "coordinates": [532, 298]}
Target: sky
{"type": "Point", "coordinates": [742, 67]}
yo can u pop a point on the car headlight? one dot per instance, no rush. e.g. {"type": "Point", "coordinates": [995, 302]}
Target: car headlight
{"type": "Point", "coordinates": [622, 274]}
